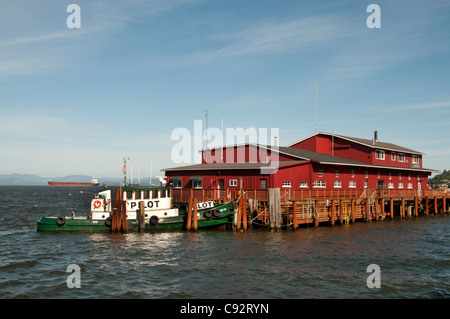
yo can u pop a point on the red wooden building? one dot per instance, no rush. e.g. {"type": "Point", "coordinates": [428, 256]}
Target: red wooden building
{"type": "Point", "coordinates": [321, 161]}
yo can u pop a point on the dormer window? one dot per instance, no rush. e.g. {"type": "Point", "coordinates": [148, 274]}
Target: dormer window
{"type": "Point", "coordinates": [379, 154]}
{"type": "Point", "coordinates": [415, 159]}
{"type": "Point", "coordinates": [393, 156]}
{"type": "Point", "coordinates": [401, 157]}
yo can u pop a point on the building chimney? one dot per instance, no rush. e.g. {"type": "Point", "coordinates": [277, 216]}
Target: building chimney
{"type": "Point", "coordinates": [275, 141]}
{"type": "Point", "coordinates": [375, 136]}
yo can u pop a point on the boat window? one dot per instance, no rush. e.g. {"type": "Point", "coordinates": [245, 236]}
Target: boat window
{"type": "Point", "coordinates": [163, 193]}
{"type": "Point", "coordinates": [154, 194]}
{"type": "Point", "coordinates": [137, 195]}
{"type": "Point", "coordinates": [146, 194]}
{"type": "Point", "coordinates": [129, 195]}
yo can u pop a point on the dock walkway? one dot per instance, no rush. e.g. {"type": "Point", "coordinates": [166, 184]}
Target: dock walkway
{"type": "Point", "coordinates": [315, 206]}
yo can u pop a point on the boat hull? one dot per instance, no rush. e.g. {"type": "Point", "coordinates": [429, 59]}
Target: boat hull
{"type": "Point", "coordinates": [72, 184]}
{"type": "Point", "coordinates": [84, 224]}
{"type": "Point", "coordinates": [80, 224]}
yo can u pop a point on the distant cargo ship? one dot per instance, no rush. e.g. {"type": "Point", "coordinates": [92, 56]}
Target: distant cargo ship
{"type": "Point", "coordinates": [94, 182]}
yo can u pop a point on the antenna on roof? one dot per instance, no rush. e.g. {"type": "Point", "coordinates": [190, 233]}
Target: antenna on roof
{"type": "Point", "coordinates": [316, 106]}
{"type": "Point", "coordinates": [206, 131]}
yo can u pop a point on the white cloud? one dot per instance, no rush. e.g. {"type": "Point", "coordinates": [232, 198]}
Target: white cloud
{"type": "Point", "coordinates": [267, 38]}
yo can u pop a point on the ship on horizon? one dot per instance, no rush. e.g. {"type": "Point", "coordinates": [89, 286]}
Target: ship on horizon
{"type": "Point", "coordinates": [93, 182]}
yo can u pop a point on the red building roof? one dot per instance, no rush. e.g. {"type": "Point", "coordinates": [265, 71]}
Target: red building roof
{"type": "Point", "coordinates": [342, 161]}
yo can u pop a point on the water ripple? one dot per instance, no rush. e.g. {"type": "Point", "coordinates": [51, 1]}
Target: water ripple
{"type": "Point", "coordinates": [324, 262]}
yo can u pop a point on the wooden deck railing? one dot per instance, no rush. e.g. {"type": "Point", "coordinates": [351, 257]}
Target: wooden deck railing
{"type": "Point", "coordinates": [305, 194]}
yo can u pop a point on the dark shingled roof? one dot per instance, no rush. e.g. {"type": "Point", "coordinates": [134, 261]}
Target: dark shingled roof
{"type": "Point", "coordinates": [225, 166]}
{"type": "Point", "coordinates": [378, 144]}
{"type": "Point", "coordinates": [301, 154]}
{"type": "Point", "coordinates": [369, 143]}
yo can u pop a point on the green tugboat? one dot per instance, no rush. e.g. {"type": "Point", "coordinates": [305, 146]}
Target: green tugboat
{"type": "Point", "coordinates": [159, 213]}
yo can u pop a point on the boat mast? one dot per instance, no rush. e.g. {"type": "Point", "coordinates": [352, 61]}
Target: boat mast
{"type": "Point", "coordinates": [124, 171]}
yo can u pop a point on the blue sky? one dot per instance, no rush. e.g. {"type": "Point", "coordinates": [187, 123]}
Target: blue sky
{"type": "Point", "coordinates": [77, 101]}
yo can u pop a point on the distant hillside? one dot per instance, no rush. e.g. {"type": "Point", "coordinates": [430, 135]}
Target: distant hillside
{"type": "Point", "coordinates": [22, 179]}
{"type": "Point", "coordinates": [441, 179]}
{"type": "Point", "coordinates": [33, 180]}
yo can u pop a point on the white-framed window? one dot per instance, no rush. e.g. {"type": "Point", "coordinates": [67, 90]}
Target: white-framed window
{"type": "Point", "coordinates": [400, 185]}
{"type": "Point", "coordinates": [390, 185]}
{"type": "Point", "coordinates": [177, 184]}
{"type": "Point", "coordinates": [337, 184]}
{"type": "Point", "coordinates": [415, 159]}
{"type": "Point", "coordinates": [319, 184]}
{"type": "Point", "coordinates": [410, 185]}
{"type": "Point", "coordinates": [379, 154]}
{"type": "Point", "coordinates": [263, 182]}
{"type": "Point", "coordinates": [401, 157]}
{"type": "Point", "coordinates": [303, 184]}
{"type": "Point", "coordinates": [366, 174]}
{"type": "Point", "coordinates": [197, 184]}
{"type": "Point", "coordinates": [286, 184]}
{"type": "Point", "coordinates": [352, 184]}
{"type": "Point", "coordinates": [365, 184]}
{"type": "Point", "coordinates": [320, 173]}
{"type": "Point", "coordinates": [233, 182]}
{"type": "Point", "coordinates": [392, 156]}
{"type": "Point", "coordinates": [337, 174]}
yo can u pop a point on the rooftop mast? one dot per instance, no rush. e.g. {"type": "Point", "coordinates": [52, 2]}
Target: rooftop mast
{"type": "Point", "coordinates": [316, 106]}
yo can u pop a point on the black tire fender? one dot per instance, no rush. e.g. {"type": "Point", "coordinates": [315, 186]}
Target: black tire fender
{"type": "Point", "coordinates": [154, 220]}
{"type": "Point", "coordinates": [207, 214]}
{"type": "Point", "coordinates": [215, 213]}
{"type": "Point", "coordinates": [61, 220]}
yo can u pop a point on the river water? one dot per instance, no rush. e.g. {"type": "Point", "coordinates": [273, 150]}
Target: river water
{"type": "Point", "coordinates": [413, 257]}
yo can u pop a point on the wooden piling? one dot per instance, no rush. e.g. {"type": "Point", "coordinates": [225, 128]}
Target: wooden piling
{"type": "Point", "coordinates": [333, 212]}
{"type": "Point", "coordinates": [195, 214]}
{"type": "Point", "coordinates": [114, 217]}
{"type": "Point", "coordinates": [141, 216]}
{"type": "Point", "coordinates": [124, 226]}
{"type": "Point", "coordinates": [427, 207]}
{"type": "Point", "coordinates": [392, 208]}
{"type": "Point", "coordinates": [353, 211]}
{"type": "Point", "coordinates": [275, 208]}
{"type": "Point", "coordinates": [377, 210]}
{"type": "Point", "coordinates": [435, 206]}
{"type": "Point", "coordinates": [244, 214]}
{"type": "Point", "coordinates": [341, 212]}
{"type": "Point", "coordinates": [402, 213]}
{"type": "Point", "coordinates": [316, 214]}
{"type": "Point", "coordinates": [444, 206]}
{"type": "Point", "coordinates": [189, 214]}
{"type": "Point", "coordinates": [416, 207]}
{"type": "Point", "coordinates": [382, 208]}
{"type": "Point", "coordinates": [239, 215]}
{"type": "Point", "coordinates": [367, 210]}
{"type": "Point", "coordinates": [294, 215]}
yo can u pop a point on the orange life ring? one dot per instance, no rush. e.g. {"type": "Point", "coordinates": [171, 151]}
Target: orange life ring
{"type": "Point", "coordinates": [97, 204]}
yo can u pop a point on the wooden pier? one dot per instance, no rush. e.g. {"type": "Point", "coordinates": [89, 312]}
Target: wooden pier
{"type": "Point", "coordinates": [290, 208]}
